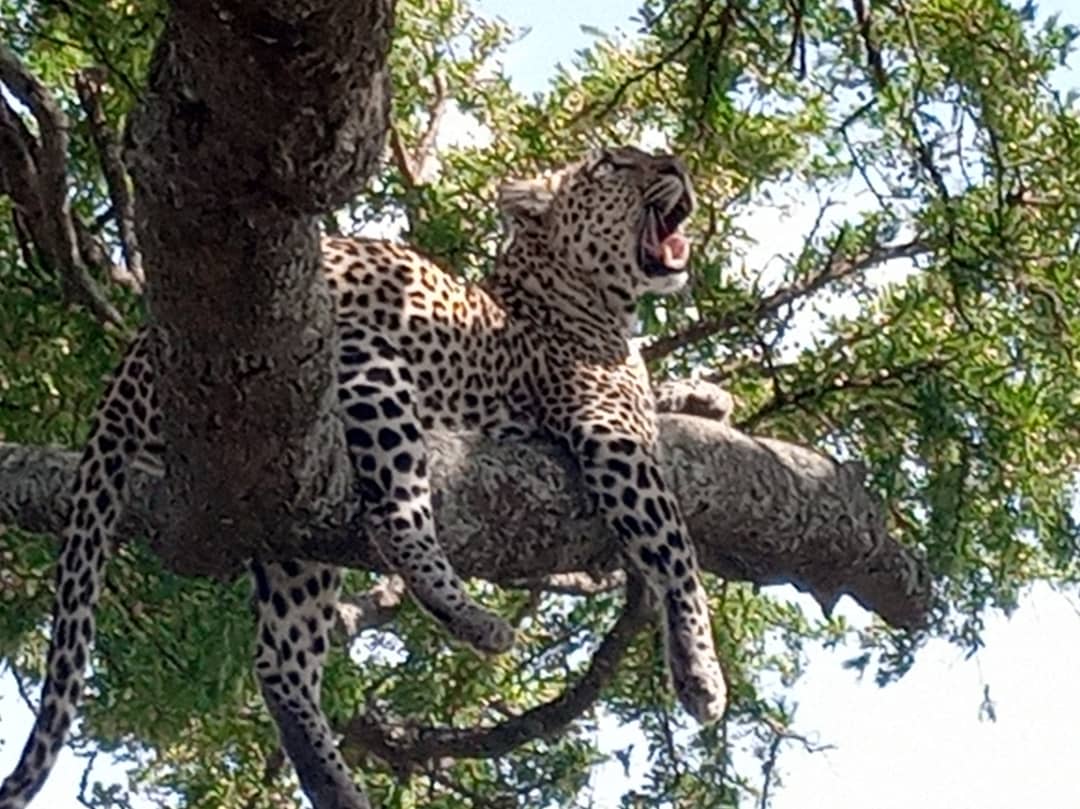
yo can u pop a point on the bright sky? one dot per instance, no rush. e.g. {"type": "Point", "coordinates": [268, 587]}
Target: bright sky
{"type": "Point", "coordinates": [920, 742]}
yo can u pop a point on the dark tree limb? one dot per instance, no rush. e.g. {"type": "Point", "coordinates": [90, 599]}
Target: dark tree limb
{"type": "Point", "coordinates": [404, 746]}
{"type": "Point", "coordinates": [33, 172]}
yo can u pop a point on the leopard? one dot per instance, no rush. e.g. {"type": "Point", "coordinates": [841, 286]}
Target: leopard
{"type": "Point", "coordinates": [541, 347]}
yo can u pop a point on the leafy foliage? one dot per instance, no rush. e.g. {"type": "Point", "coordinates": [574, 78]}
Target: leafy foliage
{"type": "Point", "coordinates": [925, 322]}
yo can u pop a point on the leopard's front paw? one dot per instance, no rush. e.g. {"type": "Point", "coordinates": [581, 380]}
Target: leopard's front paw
{"type": "Point", "coordinates": [702, 690]}
{"type": "Point", "coordinates": [483, 630]}
{"type": "Point", "coordinates": [695, 671]}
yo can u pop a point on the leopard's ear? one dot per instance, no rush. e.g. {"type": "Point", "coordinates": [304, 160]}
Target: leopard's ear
{"type": "Point", "coordinates": [529, 199]}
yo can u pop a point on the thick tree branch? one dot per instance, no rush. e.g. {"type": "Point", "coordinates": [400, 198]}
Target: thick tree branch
{"type": "Point", "coordinates": [759, 510]}
{"type": "Point", "coordinates": [403, 745]}
{"type": "Point", "coordinates": [836, 268]}
{"type": "Point", "coordinates": [52, 126]}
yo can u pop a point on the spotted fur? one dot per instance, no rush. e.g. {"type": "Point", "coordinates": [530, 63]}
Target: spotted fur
{"type": "Point", "coordinates": [541, 347]}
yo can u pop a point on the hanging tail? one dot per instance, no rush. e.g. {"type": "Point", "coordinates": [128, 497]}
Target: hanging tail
{"type": "Point", "coordinates": [125, 427]}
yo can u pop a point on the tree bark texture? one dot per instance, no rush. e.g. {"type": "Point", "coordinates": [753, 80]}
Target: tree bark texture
{"type": "Point", "coordinates": [758, 510]}
{"type": "Point", "coordinates": [256, 118]}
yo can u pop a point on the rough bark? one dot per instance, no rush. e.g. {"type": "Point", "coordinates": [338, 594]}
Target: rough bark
{"type": "Point", "coordinates": [256, 118]}
{"type": "Point", "coordinates": [759, 510]}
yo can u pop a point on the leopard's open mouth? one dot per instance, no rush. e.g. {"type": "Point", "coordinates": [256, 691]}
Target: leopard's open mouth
{"type": "Point", "coordinates": [664, 248]}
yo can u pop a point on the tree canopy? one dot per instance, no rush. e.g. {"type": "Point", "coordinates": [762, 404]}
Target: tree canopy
{"type": "Point", "coordinates": [925, 325]}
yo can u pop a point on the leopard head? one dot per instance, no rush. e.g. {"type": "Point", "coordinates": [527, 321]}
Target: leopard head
{"type": "Point", "coordinates": [614, 218]}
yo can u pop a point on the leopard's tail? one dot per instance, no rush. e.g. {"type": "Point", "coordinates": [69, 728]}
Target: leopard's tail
{"type": "Point", "coordinates": [124, 431]}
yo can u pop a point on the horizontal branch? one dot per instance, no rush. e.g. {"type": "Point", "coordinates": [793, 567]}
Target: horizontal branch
{"type": "Point", "coordinates": [759, 510]}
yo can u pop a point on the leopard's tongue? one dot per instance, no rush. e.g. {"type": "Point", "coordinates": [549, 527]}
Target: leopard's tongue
{"type": "Point", "coordinates": [675, 251]}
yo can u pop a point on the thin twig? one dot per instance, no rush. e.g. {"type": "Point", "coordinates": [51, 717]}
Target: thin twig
{"type": "Point", "coordinates": [413, 165]}
{"type": "Point", "coordinates": [797, 47]}
{"type": "Point", "coordinates": [589, 111]}
{"type": "Point", "coordinates": [84, 781]}
{"type": "Point", "coordinates": [873, 53]}
{"type": "Point", "coordinates": [369, 610]}
{"type": "Point", "coordinates": [781, 733]}
{"type": "Point", "coordinates": [20, 687]}
{"type": "Point", "coordinates": [88, 84]}
{"type": "Point", "coordinates": [35, 176]}
{"type": "Point", "coordinates": [898, 378]}
{"type": "Point", "coordinates": [836, 268]}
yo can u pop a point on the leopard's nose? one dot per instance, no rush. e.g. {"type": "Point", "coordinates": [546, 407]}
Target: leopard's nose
{"type": "Point", "coordinates": [672, 165]}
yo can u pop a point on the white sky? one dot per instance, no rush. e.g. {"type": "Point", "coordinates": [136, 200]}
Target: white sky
{"type": "Point", "coordinates": [916, 743]}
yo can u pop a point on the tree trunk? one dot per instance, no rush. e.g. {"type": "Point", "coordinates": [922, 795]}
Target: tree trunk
{"type": "Point", "coordinates": [256, 118]}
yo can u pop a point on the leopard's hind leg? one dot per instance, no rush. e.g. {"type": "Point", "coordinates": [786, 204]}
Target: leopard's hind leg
{"type": "Point", "coordinates": [295, 604]}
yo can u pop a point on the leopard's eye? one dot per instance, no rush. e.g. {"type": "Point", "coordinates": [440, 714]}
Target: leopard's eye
{"type": "Point", "coordinates": [603, 165]}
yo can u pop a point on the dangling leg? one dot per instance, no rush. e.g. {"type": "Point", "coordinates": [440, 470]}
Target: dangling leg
{"type": "Point", "coordinates": [383, 435]}
{"type": "Point", "coordinates": [295, 604]}
{"type": "Point", "coordinates": [628, 485]}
